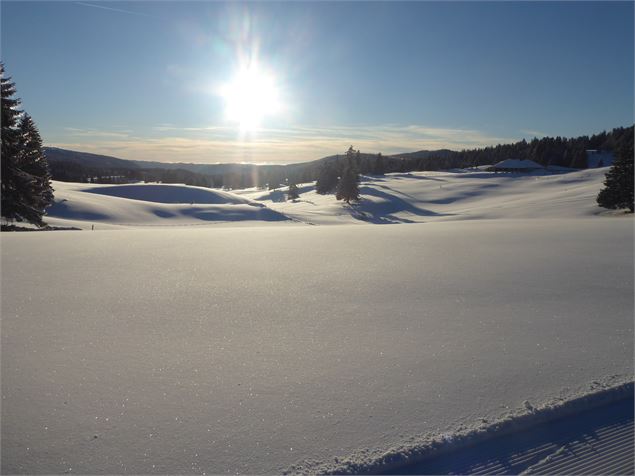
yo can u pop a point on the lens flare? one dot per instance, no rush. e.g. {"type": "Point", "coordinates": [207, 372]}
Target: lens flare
{"type": "Point", "coordinates": [250, 96]}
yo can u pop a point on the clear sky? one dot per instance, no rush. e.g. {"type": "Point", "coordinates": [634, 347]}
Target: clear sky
{"type": "Point", "coordinates": [295, 81]}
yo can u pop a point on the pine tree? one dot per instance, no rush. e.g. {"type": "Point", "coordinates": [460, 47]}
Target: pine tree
{"type": "Point", "coordinates": [11, 180]}
{"type": "Point", "coordinates": [619, 179]}
{"type": "Point", "coordinates": [327, 179]}
{"type": "Point", "coordinates": [380, 165]}
{"type": "Point", "coordinates": [293, 194]}
{"type": "Point", "coordinates": [26, 188]}
{"type": "Point", "coordinates": [33, 163]}
{"type": "Point", "coordinates": [579, 160]}
{"type": "Point", "coordinates": [347, 188]}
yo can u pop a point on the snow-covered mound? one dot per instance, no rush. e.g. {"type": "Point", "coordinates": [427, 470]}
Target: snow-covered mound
{"type": "Point", "coordinates": [167, 193]}
{"type": "Point", "coordinates": [458, 195]}
{"type": "Point", "coordinates": [204, 350]}
{"type": "Point", "coordinates": [116, 206]}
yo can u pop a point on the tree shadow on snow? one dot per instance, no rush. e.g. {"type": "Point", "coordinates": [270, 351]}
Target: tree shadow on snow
{"type": "Point", "coordinates": [61, 209]}
{"type": "Point", "coordinates": [235, 214]}
{"type": "Point", "coordinates": [382, 213]}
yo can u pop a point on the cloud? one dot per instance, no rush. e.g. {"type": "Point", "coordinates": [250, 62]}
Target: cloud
{"type": "Point", "coordinates": [74, 131]}
{"type": "Point", "coordinates": [214, 143]}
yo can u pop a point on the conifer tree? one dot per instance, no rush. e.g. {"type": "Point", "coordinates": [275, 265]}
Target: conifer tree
{"type": "Point", "coordinates": [293, 194]}
{"type": "Point", "coordinates": [10, 147]}
{"type": "Point", "coordinates": [32, 161]}
{"type": "Point", "coordinates": [347, 188]}
{"type": "Point", "coordinates": [380, 165]}
{"type": "Point", "coordinates": [619, 179]}
{"type": "Point", "coordinates": [26, 188]}
{"type": "Point", "coordinates": [579, 160]}
{"type": "Point", "coordinates": [327, 179]}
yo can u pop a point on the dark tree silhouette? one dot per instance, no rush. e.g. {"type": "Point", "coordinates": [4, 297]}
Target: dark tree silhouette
{"type": "Point", "coordinates": [327, 178]}
{"type": "Point", "coordinates": [380, 165]}
{"type": "Point", "coordinates": [293, 194]}
{"type": "Point", "coordinates": [32, 162]}
{"type": "Point", "coordinates": [11, 179]}
{"type": "Point", "coordinates": [347, 188]}
{"type": "Point", "coordinates": [579, 160]}
{"type": "Point", "coordinates": [619, 179]}
{"type": "Point", "coordinates": [26, 187]}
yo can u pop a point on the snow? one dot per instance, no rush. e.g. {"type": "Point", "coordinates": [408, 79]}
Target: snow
{"type": "Point", "coordinates": [590, 434]}
{"type": "Point", "coordinates": [167, 193]}
{"type": "Point", "coordinates": [447, 196]}
{"type": "Point", "coordinates": [134, 205]}
{"type": "Point", "coordinates": [395, 198]}
{"type": "Point", "coordinates": [262, 349]}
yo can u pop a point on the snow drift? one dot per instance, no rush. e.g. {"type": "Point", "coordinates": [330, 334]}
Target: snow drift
{"type": "Point", "coordinates": [117, 206]}
{"type": "Point", "coordinates": [167, 193]}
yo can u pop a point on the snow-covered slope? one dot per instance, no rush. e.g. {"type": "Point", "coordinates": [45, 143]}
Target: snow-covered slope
{"type": "Point", "coordinates": [193, 350]}
{"type": "Point", "coordinates": [117, 206]}
{"type": "Point", "coordinates": [395, 198]}
{"type": "Point", "coordinates": [458, 195]}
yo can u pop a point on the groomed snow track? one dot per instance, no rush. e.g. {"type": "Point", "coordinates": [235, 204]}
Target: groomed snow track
{"type": "Point", "coordinates": [597, 441]}
{"type": "Point", "coordinates": [589, 434]}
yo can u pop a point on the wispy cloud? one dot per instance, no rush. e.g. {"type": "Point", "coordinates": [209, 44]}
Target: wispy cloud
{"type": "Point", "coordinates": [74, 131]}
{"type": "Point", "coordinates": [103, 7]}
{"type": "Point", "coordinates": [222, 143]}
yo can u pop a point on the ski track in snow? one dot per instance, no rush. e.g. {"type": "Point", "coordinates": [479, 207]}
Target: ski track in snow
{"type": "Point", "coordinates": [588, 434]}
{"type": "Point", "coordinates": [263, 349]}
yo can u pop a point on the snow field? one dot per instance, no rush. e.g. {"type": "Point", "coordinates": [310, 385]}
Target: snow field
{"type": "Point", "coordinates": [218, 350]}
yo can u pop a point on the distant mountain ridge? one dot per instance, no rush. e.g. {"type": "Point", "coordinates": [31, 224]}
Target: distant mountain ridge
{"type": "Point", "coordinates": [74, 166]}
{"type": "Point", "coordinates": [56, 154]}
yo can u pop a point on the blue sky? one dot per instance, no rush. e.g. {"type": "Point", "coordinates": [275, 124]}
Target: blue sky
{"type": "Point", "coordinates": [141, 80]}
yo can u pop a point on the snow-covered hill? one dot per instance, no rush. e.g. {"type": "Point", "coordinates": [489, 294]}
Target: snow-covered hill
{"type": "Point", "coordinates": [124, 206]}
{"type": "Point", "coordinates": [459, 195]}
{"type": "Point", "coordinates": [394, 198]}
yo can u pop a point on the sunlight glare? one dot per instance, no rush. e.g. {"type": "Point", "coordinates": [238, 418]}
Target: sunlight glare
{"type": "Point", "coordinates": [249, 97]}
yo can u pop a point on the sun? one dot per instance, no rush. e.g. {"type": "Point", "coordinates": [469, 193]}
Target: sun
{"type": "Point", "coordinates": [250, 96]}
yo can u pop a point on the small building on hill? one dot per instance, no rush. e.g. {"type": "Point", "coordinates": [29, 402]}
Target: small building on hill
{"type": "Point", "coordinates": [599, 158]}
{"type": "Point", "coordinates": [516, 165]}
